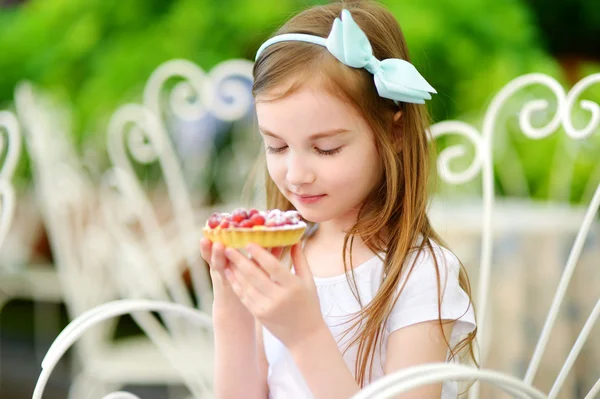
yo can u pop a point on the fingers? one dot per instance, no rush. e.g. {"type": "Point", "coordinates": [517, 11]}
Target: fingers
{"type": "Point", "coordinates": [300, 263]}
{"type": "Point", "coordinates": [218, 261]}
{"type": "Point", "coordinates": [270, 264]}
{"type": "Point", "coordinates": [250, 296]}
{"type": "Point", "coordinates": [205, 249]}
{"type": "Point", "coordinates": [251, 272]}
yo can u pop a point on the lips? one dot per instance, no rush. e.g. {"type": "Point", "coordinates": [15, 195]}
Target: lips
{"type": "Point", "coordinates": [306, 195]}
{"type": "Point", "coordinates": [308, 199]}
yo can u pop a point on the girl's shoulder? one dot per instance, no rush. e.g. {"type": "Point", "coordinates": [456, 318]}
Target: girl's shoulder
{"type": "Point", "coordinates": [430, 289]}
{"type": "Point", "coordinates": [431, 254]}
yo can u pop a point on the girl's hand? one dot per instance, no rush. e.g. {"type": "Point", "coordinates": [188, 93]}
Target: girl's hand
{"type": "Point", "coordinates": [226, 304]}
{"type": "Point", "coordinates": [286, 304]}
{"type": "Point", "coordinates": [214, 255]}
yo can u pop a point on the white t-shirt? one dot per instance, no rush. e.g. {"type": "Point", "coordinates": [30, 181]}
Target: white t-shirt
{"type": "Point", "coordinates": [418, 302]}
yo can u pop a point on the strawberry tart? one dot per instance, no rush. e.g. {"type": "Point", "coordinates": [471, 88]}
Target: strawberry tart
{"type": "Point", "coordinates": [274, 228]}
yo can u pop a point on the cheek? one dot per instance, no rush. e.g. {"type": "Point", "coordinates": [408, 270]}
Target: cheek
{"type": "Point", "coordinates": [366, 171]}
{"type": "Point", "coordinates": [276, 168]}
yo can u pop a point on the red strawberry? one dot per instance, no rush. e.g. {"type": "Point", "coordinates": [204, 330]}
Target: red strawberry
{"type": "Point", "coordinates": [214, 220]}
{"type": "Point", "coordinates": [257, 220]}
{"type": "Point", "coordinates": [224, 223]}
{"type": "Point", "coordinates": [239, 214]}
{"type": "Point", "coordinates": [252, 212]}
{"type": "Point", "coordinates": [246, 223]}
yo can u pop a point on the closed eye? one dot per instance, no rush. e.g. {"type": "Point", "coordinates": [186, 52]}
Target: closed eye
{"type": "Point", "coordinates": [328, 152]}
{"type": "Point", "coordinates": [276, 150]}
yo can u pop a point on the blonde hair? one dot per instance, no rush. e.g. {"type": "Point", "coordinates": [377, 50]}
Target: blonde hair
{"type": "Point", "coordinates": [393, 217]}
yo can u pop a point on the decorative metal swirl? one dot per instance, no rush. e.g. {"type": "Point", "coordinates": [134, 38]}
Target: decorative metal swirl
{"type": "Point", "coordinates": [197, 106]}
{"type": "Point", "coordinates": [590, 106]}
{"type": "Point", "coordinates": [188, 99]}
{"type": "Point", "coordinates": [447, 155]}
{"type": "Point", "coordinates": [224, 92]}
{"type": "Point", "coordinates": [483, 161]}
{"type": "Point", "coordinates": [131, 188]}
{"type": "Point", "coordinates": [232, 81]}
{"type": "Point", "coordinates": [200, 92]}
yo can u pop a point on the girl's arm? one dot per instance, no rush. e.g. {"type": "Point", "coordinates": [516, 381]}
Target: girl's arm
{"type": "Point", "coordinates": [236, 362]}
{"type": "Point", "coordinates": [263, 364]}
{"type": "Point", "coordinates": [415, 345]}
{"type": "Point", "coordinates": [237, 373]}
{"type": "Point", "coordinates": [321, 363]}
{"type": "Point", "coordinates": [328, 376]}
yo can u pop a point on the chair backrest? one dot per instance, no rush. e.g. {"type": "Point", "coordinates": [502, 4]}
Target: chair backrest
{"type": "Point", "coordinates": [482, 166]}
{"type": "Point", "coordinates": [87, 254]}
{"type": "Point", "coordinates": [68, 204]}
{"type": "Point", "coordinates": [146, 134]}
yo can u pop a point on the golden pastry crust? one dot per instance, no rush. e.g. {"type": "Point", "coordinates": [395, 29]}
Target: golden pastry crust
{"type": "Point", "coordinates": [268, 229]}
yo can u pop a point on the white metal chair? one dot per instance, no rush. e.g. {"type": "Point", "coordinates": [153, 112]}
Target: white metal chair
{"type": "Point", "coordinates": [85, 253]}
{"type": "Point", "coordinates": [405, 380]}
{"type": "Point", "coordinates": [140, 243]}
{"type": "Point", "coordinates": [142, 134]}
{"type": "Point", "coordinates": [18, 280]}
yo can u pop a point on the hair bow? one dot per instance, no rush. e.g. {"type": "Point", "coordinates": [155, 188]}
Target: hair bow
{"type": "Point", "coordinates": [394, 78]}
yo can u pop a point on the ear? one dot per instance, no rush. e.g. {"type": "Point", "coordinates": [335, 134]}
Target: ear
{"type": "Point", "coordinates": [397, 130]}
{"type": "Point", "coordinates": [397, 116]}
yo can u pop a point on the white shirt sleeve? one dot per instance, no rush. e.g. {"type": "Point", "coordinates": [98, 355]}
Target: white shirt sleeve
{"type": "Point", "coordinates": [418, 301]}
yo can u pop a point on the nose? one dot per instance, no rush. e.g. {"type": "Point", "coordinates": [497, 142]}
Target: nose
{"type": "Point", "coordinates": [299, 171]}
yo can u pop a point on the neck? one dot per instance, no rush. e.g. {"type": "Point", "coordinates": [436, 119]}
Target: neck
{"type": "Point", "coordinates": [332, 232]}
{"type": "Point", "coordinates": [338, 227]}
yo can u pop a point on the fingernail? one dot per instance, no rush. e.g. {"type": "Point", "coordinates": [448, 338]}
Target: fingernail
{"type": "Point", "coordinates": [249, 247]}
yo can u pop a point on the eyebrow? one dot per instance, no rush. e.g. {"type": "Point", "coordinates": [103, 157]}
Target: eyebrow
{"type": "Point", "coordinates": [315, 136]}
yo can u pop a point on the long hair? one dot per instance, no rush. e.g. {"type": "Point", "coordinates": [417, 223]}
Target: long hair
{"type": "Point", "coordinates": [393, 218]}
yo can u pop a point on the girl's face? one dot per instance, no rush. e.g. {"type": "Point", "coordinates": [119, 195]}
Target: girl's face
{"type": "Point", "coordinates": [320, 153]}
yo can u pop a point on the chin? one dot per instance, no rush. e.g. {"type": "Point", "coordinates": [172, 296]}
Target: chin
{"type": "Point", "coordinates": [312, 215]}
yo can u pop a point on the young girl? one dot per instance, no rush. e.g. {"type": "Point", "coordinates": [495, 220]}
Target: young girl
{"type": "Point", "coordinates": [372, 290]}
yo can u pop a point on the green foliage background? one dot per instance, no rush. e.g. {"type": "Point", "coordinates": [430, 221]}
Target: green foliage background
{"type": "Point", "coordinates": [98, 54]}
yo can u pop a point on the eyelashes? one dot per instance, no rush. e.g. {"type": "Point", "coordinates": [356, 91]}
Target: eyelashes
{"type": "Point", "coordinates": [279, 150]}
{"type": "Point", "coordinates": [276, 150]}
{"type": "Point", "coordinates": [328, 152]}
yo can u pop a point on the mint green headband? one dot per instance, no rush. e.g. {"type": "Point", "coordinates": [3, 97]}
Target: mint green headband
{"type": "Point", "coordinates": [395, 78]}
